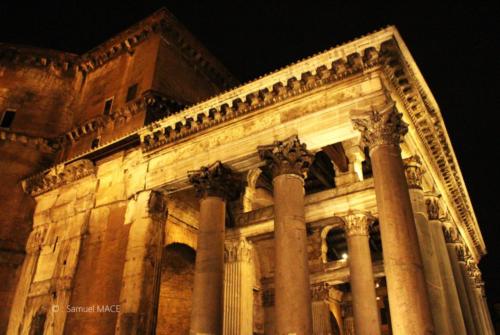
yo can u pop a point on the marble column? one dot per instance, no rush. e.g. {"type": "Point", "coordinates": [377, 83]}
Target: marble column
{"type": "Point", "coordinates": [469, 288]}
{"type": "Point", "coordinates": [289, 161]}
{"type": "Point", "coordinates": [214, 184]}
{"type": "Point", "coordinates": [484, 305]}
{"type": "Point", "coordinates": [238, 287]}
{"type": "Point", "coordinates": [435, 289]}
{"type": "Point", "coordinates": [364, 299]}
{"type": "Point", "coordinates": [321, 310]}
{"type": "Point", "coordinates": [453, 246]}
{"type": "Point", "coordinates": [146, 214]}
{"type": "Point", "coordinates": [383, 130]}
{"type": "Point", "coordinates": [476, 281]}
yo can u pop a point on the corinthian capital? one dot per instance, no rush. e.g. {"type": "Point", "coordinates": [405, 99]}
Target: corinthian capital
{"type": "Point", "coordinates": [414, 171]}
{"type": "Point", "coordinates": [381, 127]}
{"type": "Point", "coordinates": [237, 251]}
{"type": "Point", "coordinates": [215, 180]}
{"type": "Point", "coordinates": [287, 157]}
{"type": "Point", "coordinates": [357, 223]}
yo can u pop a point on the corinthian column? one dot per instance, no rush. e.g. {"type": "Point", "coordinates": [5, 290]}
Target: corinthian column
{"type": "Point", "coordinates": [289, 161]}
{"type": "Point", "coordinates": [364, 300]}
{"type": "Point", "coordinates": [456, 256]}
{"type": "Point", "coordinates": [238, 288]}
{"type": "Point", "coordinates": [146, 215]}
{"type": "Point", "coordinates": [383, 130]}
{"type": "Point", "coordinates": [440, 311]}
{"type": "Point", "coordinates": [214, 184]}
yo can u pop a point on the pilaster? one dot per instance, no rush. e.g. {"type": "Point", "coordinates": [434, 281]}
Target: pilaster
{"type": "Point", "coordinates": [147, 214]}
{"type": "Point", "coordinates": [238, 287]}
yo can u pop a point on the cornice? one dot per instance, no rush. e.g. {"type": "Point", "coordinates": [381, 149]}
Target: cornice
{"type": "Point", "coordinates": [164, 23]}
{"type": "Point", "coordinates": [429, 126]}
{"type": "Point", "coordinates": [58, 176]}
{"type": "Point", "coordinates": [64, 62]}
{"type": "Point", "coordinates": [41, 144]}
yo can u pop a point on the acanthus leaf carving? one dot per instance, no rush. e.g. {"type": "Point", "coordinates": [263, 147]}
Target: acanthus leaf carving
{"type": "Point", "coordinates": [238, 251]}
{"type": "Point", "coordinates": [287, 157]}
{"type": "Point", "coordinates": [414, 171]}
{"type": "Point", "coordinates": [216, 180]}
{"type": "Point", "coordinates": [382, 126]}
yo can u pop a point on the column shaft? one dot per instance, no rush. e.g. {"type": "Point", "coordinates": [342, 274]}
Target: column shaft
{"type": "Point", "coordinates": [364, 301]}
{"type": "Point", "coordinates": [461, 290]}
{"type": "Point", "coordinates": [471, 296]}
{"type": "Point", "coordinates": [206, 315]}
{"type": "Point", "coordinates": [292, 289]}
{"type": "Point", "coordinates": [410, 310]}
{"type": "Point", "coordinates": [440, 311]}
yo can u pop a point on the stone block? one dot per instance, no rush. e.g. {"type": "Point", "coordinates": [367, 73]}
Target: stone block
{"type": "Point", "coordinates": [111, 188]}
{"type": "Point", "coordinates": [46, 200]}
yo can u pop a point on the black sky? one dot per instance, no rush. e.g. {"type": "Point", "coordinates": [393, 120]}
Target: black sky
{"type": "Point", "coordinates": [455, 46]}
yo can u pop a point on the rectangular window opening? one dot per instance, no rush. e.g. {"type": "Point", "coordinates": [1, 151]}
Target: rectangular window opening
{"type": "Point", "coordinates": [131, 92]}
{"type": "Point", "coordinates": [7, 119]}
{"type": "Point", "coordinates": [107, 106]}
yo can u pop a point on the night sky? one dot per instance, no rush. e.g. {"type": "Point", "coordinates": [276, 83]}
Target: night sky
{"type": "Point", "coordinates": [455, 47]}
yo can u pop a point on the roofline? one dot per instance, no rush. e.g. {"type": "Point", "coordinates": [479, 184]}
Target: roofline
{"type": "Point", "coordinates": [311, 64]}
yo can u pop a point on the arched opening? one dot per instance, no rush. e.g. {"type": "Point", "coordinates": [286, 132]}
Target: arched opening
{"type": "Point", "coordinates": [176, 289]}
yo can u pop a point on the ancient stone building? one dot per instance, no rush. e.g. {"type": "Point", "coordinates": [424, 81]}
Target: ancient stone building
{"type": "Point", "coordinates": [144, 191]}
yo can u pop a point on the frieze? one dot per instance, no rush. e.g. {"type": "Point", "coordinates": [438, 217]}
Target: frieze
{"type": "Point", "coordinates": [287, 157]}
{"type": "Point", "coordinates": [200, 120]}
{"type": "Point", "coordinates": [58, 176]}
{"type": "Point", "coordinates": [380, 126]}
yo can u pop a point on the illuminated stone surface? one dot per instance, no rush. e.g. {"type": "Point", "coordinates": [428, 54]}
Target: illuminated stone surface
{"type": "Point", "coordinates": [105, 191]}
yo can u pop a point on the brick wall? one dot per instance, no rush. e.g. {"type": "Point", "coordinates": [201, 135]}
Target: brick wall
{"type": "Point", "coordinates": [176, 290]}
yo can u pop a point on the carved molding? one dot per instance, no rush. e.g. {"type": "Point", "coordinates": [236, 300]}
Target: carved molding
{"type": "Point", "coordinates": [255, 216]}
{"type": "Point", "coordinates": [357, 223]}
{"type": "Point", "coordinates": [199, 118]}
{"type": "Point", "coordinates": [287, 157]}
{"type": "Point", "coordinates": [383, 126]}
{"type": "Point", "coordinates": [238, 251]}
{"type": "Point", "coordinates": [429, 126]}
{"type": "Point", "coordinates": [414, 171]}
{"type": "Point", "coordinates": [39, 143]}
{"type": "Point", "coordinates": [58, 176]}
{"type": "Point", "coordinates": [215, 180]}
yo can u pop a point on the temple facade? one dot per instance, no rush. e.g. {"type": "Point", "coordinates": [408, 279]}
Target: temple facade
{"type": "Point", "coordinates": [146, 192]}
